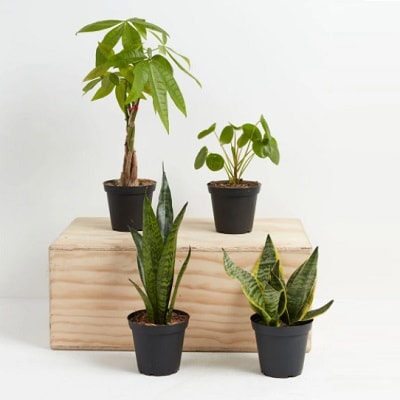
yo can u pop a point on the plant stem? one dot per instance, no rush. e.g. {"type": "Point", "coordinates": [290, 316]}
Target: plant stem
{"type": "Point", "coordinates": [129, 175]}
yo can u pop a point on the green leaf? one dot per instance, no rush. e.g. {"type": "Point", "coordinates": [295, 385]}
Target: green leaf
{"type": "Point", "coordinates": [97, 72]}
{"type": "Point", "coordinates": [142, 26]}
{"type": "Point", "coordinates": [274, 151]}
{"type": "Point", "coordinates": [215, 162]}
{"type": "Point", "coordinates": [105, 89]}
{"type": "Point", "coordinates": [137, 238]}
{"type": "Point", "coordinates": [126, 57]}
{"type": "Point", "coordinates": [146, 301]}
{"type": "Point", "coordinates": [272, 298]}
{"type": "Point", "coordinates": [201, 157]}
{"type": "Point", "coordinates": [300, 288]}
{"type": "Point", "coordinates": [177, 283]}
{"type": "Point", "coordinates": [120, 94]}
{"type": "Point", "coordinates": [207, 131]}
{"type": "Point", "coordinates": [261, 148]}
{"type": "Point", "coordinates": [166, 72]}
{"type": "Point", "coordinates": [166, 266]}
{"type": "Point", "coordinates": [226, 135]}
{"type": "Point", "coordinates": [152, 247]}
{"type": "Point", "coordinates": [99, 25]}
{"type": "Point", "coordinates": [243, 140]}
{"type": "Point", "coordinates": [131, 39]}
{"type": "Point", "coordinates": [158, 92]}
{"type": "Point", "coordinates": [249, 285]}
{"type": "Point", "coordinates": [252, 132]}
{"type": "Point", "coordinates": [91, 85]}
{"type": "Point", "coordinates": [179, 65]}
{"type": "Point", "coordinates": [267, 260]}
{"type": "Point", "coordinates": [314, 313]}
{"type": "Point", "coordinates": [104, 49]}
{"type": "Point", "coordinates": [140, 79]}
{"type": "Point", "coordinates": [165, 212]}
{"type": "Point", "coordinates": [265, 125]}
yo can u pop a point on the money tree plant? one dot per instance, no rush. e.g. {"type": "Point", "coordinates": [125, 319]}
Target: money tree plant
{"type": "Point", "coordinates": [134, 69]}
{"type": "Point", "coordinates": [277, 302]}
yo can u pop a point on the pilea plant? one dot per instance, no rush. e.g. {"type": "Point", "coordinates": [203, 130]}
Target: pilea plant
{"type": "Point", "coordinates": [278, 303]}
{"type": "Point", "coordinates": [156, 251]}
{"type": "Point", "coordinates": [133, 70]}
{"type": "Point", "coordinates": [239, 145]}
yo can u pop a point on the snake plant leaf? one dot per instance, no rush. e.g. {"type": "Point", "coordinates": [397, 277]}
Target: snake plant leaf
{"type": "Point", "coordinates": [177, 283]}
{"type": "Point", "coordinates": [166, 267]}
{"type": "Point", "coordinates": [215, 162]}
{"type": "Point", "coordinates": [318, 311]}
{"type": "Point", "coordinates": [250, 286]}
{"type": "Point", "coordinates": [272, 301]}
{"type": "Point", "coordinates": [300, 288]}
{"type": "Point", "coordinates": [138, 240]}
{"type": "Point", "coordinates": [146, 301]}
{"type": "Point", "coordinates": [152, 247]}
{"type": "Point", "coordinates": [207, 131]}
{"type": "Point", "coordinates": [99, 25]}
{"type": "Point", "coordinates": [165, 212]}
{"type": "Point", "coordinates": [226, 134]}
{"type": "Point", "coordinates": [201, 157]}
{"type": "Point", "coordinates": [266, 261]}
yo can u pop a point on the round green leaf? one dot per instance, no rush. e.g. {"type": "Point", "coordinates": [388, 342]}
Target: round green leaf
{"type": "Point", "coordinates": [261, 148]}
{"type": "Point", "coordinates": [243, 140]}
{"type": "Point", "coordinates": [201, 157]}
{"type": "Point", "coordinates": [214, 162]}
{"type": "Point", "coordinates": [226, 135]}
{"type": "Point", "coordinates": [252, 132]}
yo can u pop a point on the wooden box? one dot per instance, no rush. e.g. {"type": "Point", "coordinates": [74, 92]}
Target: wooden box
{"type": "Point", "coordinates": [90, 295]}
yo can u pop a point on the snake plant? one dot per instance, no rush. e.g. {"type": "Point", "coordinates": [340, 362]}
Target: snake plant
{"type": "Point", "coordinates": [156, 251]}
{"type": "Point", "coordinates": [277, 302]}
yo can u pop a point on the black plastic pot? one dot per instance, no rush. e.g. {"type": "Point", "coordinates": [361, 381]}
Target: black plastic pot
{"type": "Point", "coordinates": [281, 350]}
{"type": "Point", "coordinates": [233, 207]}
{"type": "Point", "coordinates": [126, 204]}
{"type": "Point", "coordinates": [158, 348]}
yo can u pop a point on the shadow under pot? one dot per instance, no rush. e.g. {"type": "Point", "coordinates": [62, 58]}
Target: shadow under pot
{"type": "Point", "coordinates": [234, 205]}
{"type": "Point", "coordinates": [158, 348]}
{"type": "Point", "coordinates": [281, 350]}
{"type": "Point", "coordinates": [125, 203]}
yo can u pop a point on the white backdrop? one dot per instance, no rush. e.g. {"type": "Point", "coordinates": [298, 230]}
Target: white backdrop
{"type": "Point", "coordinates": [325, 74]}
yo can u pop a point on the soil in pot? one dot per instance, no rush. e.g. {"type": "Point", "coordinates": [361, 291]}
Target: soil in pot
{"type": "Point", "coordinates": [126, 203]}
{"type": "Point", "coordinates": [281, 350]}
{"type": "Point", "coordinates": [158, 348]}
{"type": "Point", "coordinates": [234, 205]}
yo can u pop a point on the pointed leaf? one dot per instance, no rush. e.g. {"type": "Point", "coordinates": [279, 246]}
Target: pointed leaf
{"type": "Point", "coordinates": [165, 212]}
{"type": "Point", "coordinates": [107, 86]}
{"type": "Point", "coordinates": [131, 39]}
{"type": "Point", "coordinates": [249, 285]}
{"type": "Point", "coordinates": [140, 79]}
{"type": "Point", "coordinates": [146, 301]}
{"type": "Point", "coordinates": [300, 288]}
{"type": "Point", "coordinates": [177, 283]}
{"type": "Point", "coordinates": [138, 240]}
{"type": "Point", "coordinates": [267, 260]}
{"type": "Point", "coordinates": [272, 298]}
{"type": "Point", "coordinates": [314, 313]}
{"type": "Point", "coordinates": [158, 92]}
{"type": "Point", "coordinates": [99, 25]}
{"type": "Point", "coordinates": [120, 94]}
{"type": "Point", "coordinates": [166, 72]}
{"type": "Point", "coordinates": [91, 85]}
{"type": "Point", "coordinates": [142, 25]}
{"type": "Point", "coordinates": [166, 267]}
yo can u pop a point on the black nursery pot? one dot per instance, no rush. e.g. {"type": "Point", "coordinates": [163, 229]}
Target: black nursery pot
{"type": "Point", "coordinates": [234, 207]}
{"type": "Point", "coordinates": [126, 204]}
{"type": "Point", "coordinates": [158, 348]}
{"type": "Point", "coordinates": [281, 350]}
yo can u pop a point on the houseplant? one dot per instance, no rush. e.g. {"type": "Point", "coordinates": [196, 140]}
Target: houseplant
{"type": "Point", "coordinates": [282, 316]}
{"type": "Point", "coordinates": [158, 330]}
{"type": "Point", "coordinates": [234, 199]}
{"type": "Point", "coordinates": [134, 69]}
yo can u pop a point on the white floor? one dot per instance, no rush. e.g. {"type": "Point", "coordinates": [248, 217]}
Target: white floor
{"type": "Point", "coordinates": [355, 355]}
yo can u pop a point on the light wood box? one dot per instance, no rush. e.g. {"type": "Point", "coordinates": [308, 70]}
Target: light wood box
{"type": "Point", "coordinates": [90, 295]}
